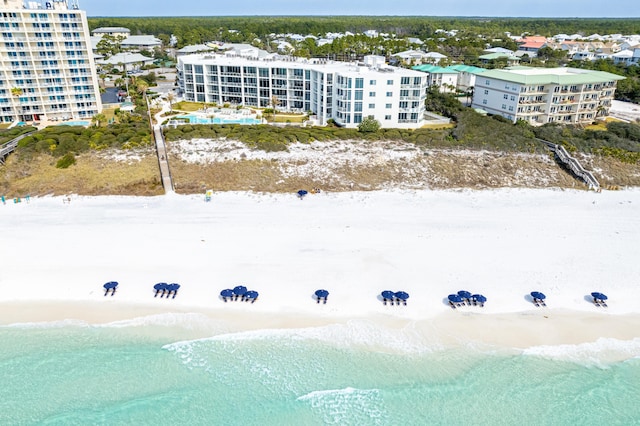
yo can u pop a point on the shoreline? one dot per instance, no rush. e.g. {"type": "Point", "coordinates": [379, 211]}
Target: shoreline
{"type": "Point", "coordinates": [514, 331]}
{"type": "Point", "coordinates": [501, 243]}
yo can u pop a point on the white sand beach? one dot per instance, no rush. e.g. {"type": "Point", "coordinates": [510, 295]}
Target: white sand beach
{"type": "Point", "coordinates": [502, 243]}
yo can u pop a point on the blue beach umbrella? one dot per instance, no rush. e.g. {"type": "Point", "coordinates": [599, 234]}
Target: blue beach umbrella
{"type": "Point", "coordinates": [227, 292]}
{"type": "Point", "coordinates": [538, 295]}
{"type": "Point", "coordinates": [160, 287]}
{"type": "Point", "coordinates": [599, 296]}
{"type": "Point", "coordinates": [322, 293]}
{"type": "Point", "coordinates": [401, 295]}
{"type": "Point", "coordinates": [253, 295]}
{"type": "Point", "coordinates": [302, 193]}
{"type": "Point", "coordinates": [173, 288]}
{"type": "Point", "coordinates": [111, 285]}
{"type": "Point", "coordinates": [464, 294]}
{"type": "Point", "coordinates": [239, 290]}
{"type": "Point", "coordinates": [455, 298]}
{"type": "Point", "coordinates": [388, 294]}
{"type": "Point", "coordinates": [480, 298]}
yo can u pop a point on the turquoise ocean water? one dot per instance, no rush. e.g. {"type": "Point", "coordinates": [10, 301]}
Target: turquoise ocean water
{"type": "Point", "coordinates": [146, 373]}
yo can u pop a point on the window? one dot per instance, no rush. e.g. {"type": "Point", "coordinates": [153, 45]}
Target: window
{"type": "Point", "coordinates": [404, 80]}
{"type": "Point", "coordinates": [372, 94]}
{"type": "Point", "coordinates": [359, 83]}
{"type": "Point", "coordinates": [372, 106]}
{"type": "Point", "coordinates": [487, 82]}
{"type": "Point", "coordinates": [389, 82]}
{"type": "Point", "coordinates": [504, 106]}
{"type": "Point", "coordinates": [513, 98]}
{"type": "Point", "coordinates": [388, 106]}
{"type": "Point", "coordinates": [510, 108]}
{"type": "Point", "coordinates": [486, 92]}
{"type": "Point", "coordinates": [389, 94]}
{"type": "Point", "coordinates": [387, 117]}
{"type": "Point", "coordinates": [484, 101]}
{"type": "Point", "coordinates": [372, 82]}
{"type": "Point", "coordinates": [505, 96]}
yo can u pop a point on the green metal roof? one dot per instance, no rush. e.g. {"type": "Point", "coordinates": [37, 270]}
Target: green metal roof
{"type": "Point", "coordinates": [467, 68]}
{"type": "Point", "coordinates": [434, 69]}
{"type": "Point", "coordinates": [574, 76]}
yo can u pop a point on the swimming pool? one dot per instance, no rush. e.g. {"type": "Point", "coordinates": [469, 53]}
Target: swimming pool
{"type": "Point", "coordinates": [75, 123]}
{"type": "Point", "coordinates": [194, 119]}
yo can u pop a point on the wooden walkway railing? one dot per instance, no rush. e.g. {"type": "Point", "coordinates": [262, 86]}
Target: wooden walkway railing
{"type": "Point", "coordinates": [10, 146]}
{"type": "Point", "coordinates": [572, 164]}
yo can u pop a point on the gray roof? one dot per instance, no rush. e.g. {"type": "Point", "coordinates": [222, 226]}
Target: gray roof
{"type": "Point", "coordinates": [108, 30]}
{"type": "Point", "coordinates": [195, 48]}
{"type": "Point", "coordinates": [141, 40]}
{"type": "Point", "coordinates": [125, 58]}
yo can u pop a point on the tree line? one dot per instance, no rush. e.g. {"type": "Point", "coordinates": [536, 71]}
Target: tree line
{"type": "Point", "coordinates": [195, 30]}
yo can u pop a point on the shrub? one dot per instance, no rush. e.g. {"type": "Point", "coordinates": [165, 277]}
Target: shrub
{"type": "Point", "coordinates": [368, 125]}
{"type": "Point", "coordinates": [66, 161]}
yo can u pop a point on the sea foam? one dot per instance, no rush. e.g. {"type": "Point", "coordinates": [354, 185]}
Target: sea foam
{"type": "Point", "coordinates": [360, 334]}
{"type": "Point", "coordinates": [347, 406]}
{"type": "Point", "coordinates": [599, 353]}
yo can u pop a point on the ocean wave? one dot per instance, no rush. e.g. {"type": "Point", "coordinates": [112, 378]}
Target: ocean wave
{"type": "Point", "coordinates": [48, 324]}
{"type": "Point", "coordinates": [184, 320]}
{"type": "Point", "coordinates": [361, 334]}
{"type": "Point", "coordinates": [347, 406]}
{"type": "Point", "coordinates": [599, 353]}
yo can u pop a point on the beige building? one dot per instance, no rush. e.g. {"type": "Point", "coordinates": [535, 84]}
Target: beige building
{"type": "Point", "coordinates": [546, 95]}
{"type": "Point", "coordinates": [47, 70]}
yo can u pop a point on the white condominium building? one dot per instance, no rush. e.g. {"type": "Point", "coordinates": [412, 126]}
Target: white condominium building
{"type": "Point", "coordinates": [47, 70]}
{"type": "Point", "coordinates": [344, 92]}
{"type": "Point", "coordinates": [545, 95]}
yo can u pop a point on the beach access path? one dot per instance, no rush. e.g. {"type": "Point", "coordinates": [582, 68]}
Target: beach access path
{"type": "Point", "coordinates": [161, 150]}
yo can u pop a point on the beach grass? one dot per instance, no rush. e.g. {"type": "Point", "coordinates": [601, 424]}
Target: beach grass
{"type": "Point", "coordinates": [91, 175]}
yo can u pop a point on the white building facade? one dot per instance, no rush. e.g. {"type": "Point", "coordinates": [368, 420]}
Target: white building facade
{"type": "Point", "coordinates": [344, 92]}
{"type": "Point", "coordinates": [545, 95]}
{"type": "Point", "coordinates": [47, 70]}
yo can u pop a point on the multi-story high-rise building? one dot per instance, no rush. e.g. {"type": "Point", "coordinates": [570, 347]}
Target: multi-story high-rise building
{"type": "Point", "coordinates": [47, 70]}
{"type": "Point", "coordinates": [344, 92]}
{"type": "Point", "coordinates": [545, 95]}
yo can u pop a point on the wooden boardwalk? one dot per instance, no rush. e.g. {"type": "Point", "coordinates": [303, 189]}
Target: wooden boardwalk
{"type": "Point", "coordinates": [10, 146]}
{"type": "Point", "coordinates": [563, 157]}
{"type": "Point", "coordinates": [161, 149]}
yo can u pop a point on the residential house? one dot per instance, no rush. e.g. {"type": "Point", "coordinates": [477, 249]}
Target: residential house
{"type": "Point", "coordinates": [492, 57]}
{"type": "Point", "coordinates": [112, 31]}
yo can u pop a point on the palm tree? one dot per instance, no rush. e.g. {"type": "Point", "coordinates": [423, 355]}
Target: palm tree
{"type": "Point", "coordinates": [141, 86]}
{"type": "Point", "coordinates": [274, 103]}
{"type": "Point", "coordinates": [170, 98]}
{"type": "Point", "coordinates": [98, 118]}
{"type": "Point", "coordinates": [16, 91]}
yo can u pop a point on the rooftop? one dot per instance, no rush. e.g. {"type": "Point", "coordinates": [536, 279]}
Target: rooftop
{"type": "Point", "coordinates": [560, 75]}
{"type": "Point", "coordinates": [293, 63]}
